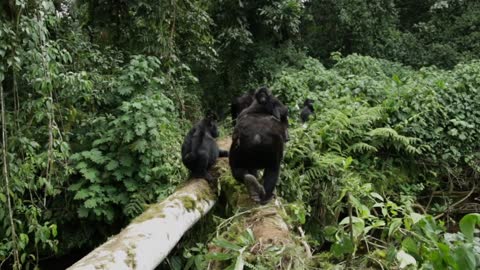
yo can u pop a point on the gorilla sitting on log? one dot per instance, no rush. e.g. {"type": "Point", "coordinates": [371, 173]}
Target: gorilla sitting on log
{"type": "Point", "coordinates": [239, 104]}
{"type": "Point", "coordinates": [258, 143]}
{"type": "Point", "coordinates": [307, 110]}
{"type": "Point", "coordinates": [200, 150]}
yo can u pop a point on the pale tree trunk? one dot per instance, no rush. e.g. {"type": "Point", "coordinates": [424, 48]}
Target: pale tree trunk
{"type": "Point", "coordinates": [151, 236]}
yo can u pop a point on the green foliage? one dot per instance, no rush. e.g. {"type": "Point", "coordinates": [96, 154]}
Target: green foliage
{"type": "Point", "coordinates": [235, 246]}
{"type": "Point", "coordinates": [96, 96]}
{"type": "Point", "coordinates": [93, 132]}
{"type": "Point", "coordinates": [131, 153]}
{"type": "Point", "coordinates": [416, 33]}
{"type": "Point", "coordinates": [372, 134]}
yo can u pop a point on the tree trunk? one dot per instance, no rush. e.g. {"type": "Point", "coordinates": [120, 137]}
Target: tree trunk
{"type": "Point", "coordinates": [149, 238]}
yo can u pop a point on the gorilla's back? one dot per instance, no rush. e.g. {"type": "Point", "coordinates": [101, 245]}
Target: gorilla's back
{"type": "Point", "coordinates": [257, 141]}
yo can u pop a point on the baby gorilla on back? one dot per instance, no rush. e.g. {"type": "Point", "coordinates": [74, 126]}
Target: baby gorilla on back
{"type": "Point", "coordinates": [265, 103]}
{"type": "Point", "coordinates": [200, 150]}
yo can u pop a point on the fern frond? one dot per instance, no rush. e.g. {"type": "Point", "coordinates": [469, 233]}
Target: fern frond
{"type": "Point", "coordinates": [383, 132]}
{"type": "Point", "coordinates": [136, 204]}
{"type": "Point", "coordinates": [367, 116]}
{"type": "Point", "coordinates": [361, 148]}
{"type": "Point", "coordinates": [313, 174]}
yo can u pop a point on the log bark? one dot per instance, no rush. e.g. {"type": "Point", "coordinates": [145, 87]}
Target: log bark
{"type": "Point", "coordinates": [149, 238]}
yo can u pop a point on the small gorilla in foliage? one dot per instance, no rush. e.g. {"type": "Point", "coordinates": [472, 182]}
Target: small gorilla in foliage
{"type": "Point", "coordinates": [200, 150]}
{"type": "Point", "coordinates": [266, 103]}
{"type": "Point", "coordinates": [307, 110]}
{"type": "Point", "coordinates": [239, 104]}
{"type": "Point", "coordinates": [257, 143]}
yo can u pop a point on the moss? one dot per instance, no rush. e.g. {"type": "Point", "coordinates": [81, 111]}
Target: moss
{"type": "Point", "coordinates": [130, 260]}
{"type": "Point", "coordinates": [155, 211]}
{"type": "Point", "coordinates": [206, 194]}
{"type": "Point", "coordinates": [189, 203]}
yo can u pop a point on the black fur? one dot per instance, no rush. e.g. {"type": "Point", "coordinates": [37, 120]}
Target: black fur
{"type": "Point", "coordinates": [200, 150]}
{"type": "Point", "coordinates": [307, 110]}
{"type": "Point", "coordinates": [239, 104]}
{"type": "Point", "coordinates": [266, 103]}
{"type": "Point", "coordinates": [258, 143]}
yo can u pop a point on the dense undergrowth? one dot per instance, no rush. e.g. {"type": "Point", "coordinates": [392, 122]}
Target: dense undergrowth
{"type": "Point", "coordinates": [384, 137]}
{"type": "Point", "coordinates": [97, 95]}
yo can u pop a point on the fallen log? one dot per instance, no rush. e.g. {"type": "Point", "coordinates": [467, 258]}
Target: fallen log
{"type": "Point", "coordinates": [148, 239]}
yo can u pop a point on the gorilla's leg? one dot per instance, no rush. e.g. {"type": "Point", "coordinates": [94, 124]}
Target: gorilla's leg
{"type": "Point", "coordinates": [254, 188]}
{"type": "Point", "coordinates": [270, 177]}
{"type": "Point", "coordinates": [222, 153]}
{"type": "Point", "coordinates": [239, 174]}
{"type": "Point", "coordinates": [201, 166]}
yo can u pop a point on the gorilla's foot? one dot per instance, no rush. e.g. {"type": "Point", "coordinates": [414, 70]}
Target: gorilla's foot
{"type": "Point", "coordinates": [265, 199]}
{"type": "Point", "coordinates": [254, 188]}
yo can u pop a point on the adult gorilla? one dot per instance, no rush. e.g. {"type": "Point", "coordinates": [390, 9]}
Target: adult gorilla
{"type": "Point", "coordinates": [258, 143]}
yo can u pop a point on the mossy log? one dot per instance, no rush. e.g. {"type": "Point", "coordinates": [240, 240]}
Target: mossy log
{"type": "Point", "coordinates": [151, 236]}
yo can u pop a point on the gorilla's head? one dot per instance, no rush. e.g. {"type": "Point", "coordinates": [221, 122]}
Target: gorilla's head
{"type": "Point", "coordinates": [210, 123]}
{"type": "Point", "coordinates": [263, 95]}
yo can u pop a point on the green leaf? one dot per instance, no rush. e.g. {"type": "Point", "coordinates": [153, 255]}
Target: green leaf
{"type": "Point", "coordinates": [82, 212]}
{"type": "Point", "coordinates": [90, 203]}
{"type": "Point", "coordinates": [94, 155]}
{"type": "Point", "coordinates": [465, 257]}
{"type": "Point", "coordinates": [3, 198]}
{"type": "Point", "coordinates": [90, 174]}
{"type": "Point", "coordinates": [23, 241]}
{"type": "Point", "coordinates": [226, 244]}
{"type": "Point", "coordinates": [396, 223]}
{"type": "Point", "coordinates": [82, 194]}
{"type": "Point", "coordinates": [112, 165]}
{"type": "Point", "coordinates": [416, 217]}
{"type": "Point", "coordinates": [140, 145]}
{"type": "Point", "coordinates": [405, 259]}
{"type": "Point", "coordinates": [81, 165]}
{"type": "Point", "coordinates": [53, 229]}
{"type": "Point", "coordinates": [410, 246]}
{"type": "Point", "coordinates": [468, 224]}
{"type": "Point", "coordinates": [377, 196]}
{"type": "Point", "coordinates": [219, 256]}
{"type": "Point", "coordinates": [357, 223]}
{"type": "Point", "coordinates": [239, 263]}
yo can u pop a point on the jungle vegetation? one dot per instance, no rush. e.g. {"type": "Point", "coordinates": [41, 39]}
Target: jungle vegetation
{"type": "Point", "coordinates": [96, 96]}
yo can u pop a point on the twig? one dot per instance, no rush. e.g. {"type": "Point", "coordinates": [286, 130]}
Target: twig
{"type": "Point", "coordinates": [420, 207]}
{"type": "Point", "coordinates": [457, 203]}
{"type": "Point", "coordinates": [16, 257]}
{"type": "Point", "coordinates": [429, 201]}
{"type": "Point", "coordinates": [221, 225]}
{"type": "Point", "coordinates": [376, 245]}
{"type": "Point", "coordinates": [375, 260]}
{"type": "Point", "coordinates": [350, 221]}
{"type": "Point", "coordinates": [304, 243]}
